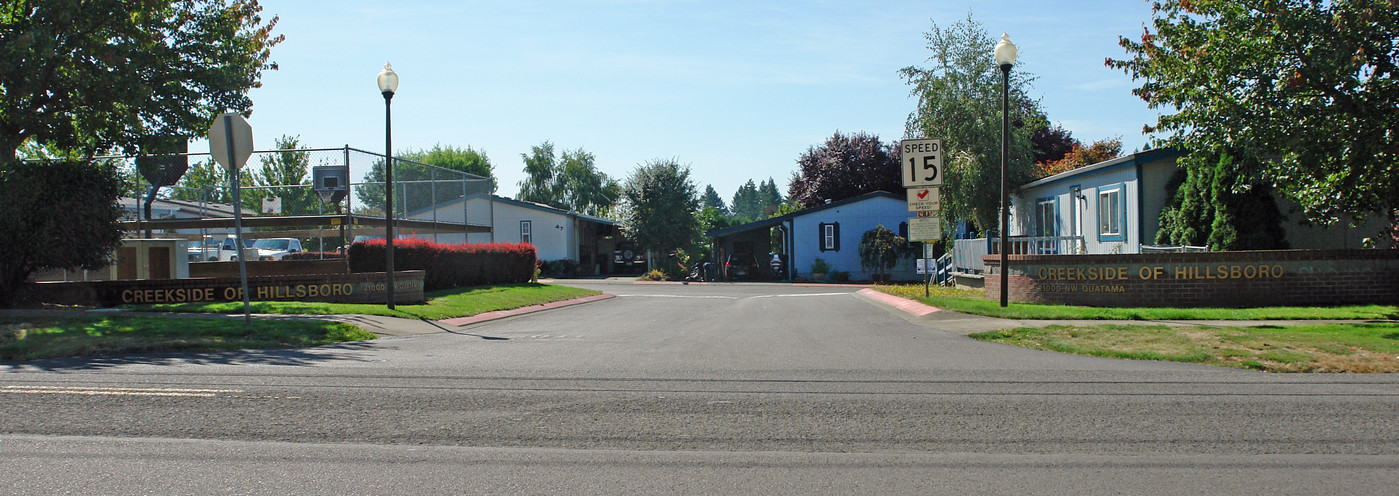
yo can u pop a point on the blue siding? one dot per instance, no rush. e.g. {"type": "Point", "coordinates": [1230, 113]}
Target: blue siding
{"type": "Point", "coordinates": [854, 220]}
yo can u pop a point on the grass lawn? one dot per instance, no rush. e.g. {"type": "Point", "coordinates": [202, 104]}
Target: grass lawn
{"type": "Point", "coordinates": [35, 338]}
{"type": "Point", "coordinates": [1309, 348]}
{"type": "Point", "coordinates": [975, 302]}
{"type": "Point", "coordinates": [445, 304]}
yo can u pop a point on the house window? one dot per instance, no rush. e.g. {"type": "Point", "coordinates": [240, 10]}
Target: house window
{"type": "Point", "coordinates": [1047, 217]}
{"type": "Point", "coordinates": [526, 227]}
{"type": "Point", "coordinates": [830, 236]}
{"type": "Point", "coordinates": [1110, 214]}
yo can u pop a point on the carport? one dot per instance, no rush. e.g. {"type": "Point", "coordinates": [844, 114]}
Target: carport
{"type": "Point", "coordinates": [753, 238]}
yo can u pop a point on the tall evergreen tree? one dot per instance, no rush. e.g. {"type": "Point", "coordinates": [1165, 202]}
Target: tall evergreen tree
{"type": "Point", "coordinates": [711, 199]}
{"type": "Point", "coordinates": [1212, 206]}
{"type": "Point", "coordinates": [1246, 216]}
{"type": "Point", "coordinates": [746, 203]}
{"type": "Point", "coordinates": [768, 195]}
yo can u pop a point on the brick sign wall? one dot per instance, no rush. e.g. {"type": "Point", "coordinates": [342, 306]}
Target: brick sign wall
{"type": "Point", "coordinates": [1215, 279]}
{"type": "Point", "coordinates": [367, 287]}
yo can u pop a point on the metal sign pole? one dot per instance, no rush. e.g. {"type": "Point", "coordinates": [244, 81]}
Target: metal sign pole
{"type": "Point", "coordinates": [238, 222]}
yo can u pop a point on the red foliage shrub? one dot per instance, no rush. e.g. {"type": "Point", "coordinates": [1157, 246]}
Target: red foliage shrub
{"type": "Point", "coordinates": [449, 266]}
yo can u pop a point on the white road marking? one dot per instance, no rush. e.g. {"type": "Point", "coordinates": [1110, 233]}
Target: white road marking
{"type": "Point", "coordinates": [795, 295]}
{"type": "Point", "coordinates": [698, 297]}
{"type": "Point", "coordinates": [116, 391]}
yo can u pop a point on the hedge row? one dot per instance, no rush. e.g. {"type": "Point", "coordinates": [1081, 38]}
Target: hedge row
{"type": "Point", "coordinates": [449, 266]}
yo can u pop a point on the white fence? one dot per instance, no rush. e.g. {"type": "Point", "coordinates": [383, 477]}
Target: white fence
{"type": "Point", "coordinates": [967, 253]}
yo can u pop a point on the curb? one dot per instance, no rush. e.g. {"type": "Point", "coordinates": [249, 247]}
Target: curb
{"type": "Point", "coordinates": [911, 307]}
{"type": "Point", "coordinates": [501, 314]}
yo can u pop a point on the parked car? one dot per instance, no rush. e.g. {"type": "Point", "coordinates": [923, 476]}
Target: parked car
{"type": "Point", "coordinates": [206, 250]}
{"type": "Point", "coordinates": [228, 250]}
{"type": "Point", "coordinates": [276, 248]}
{"type": "Point", "coordinates": [741, 266]}
{"type": "Point", "coordinates": [628, 257]}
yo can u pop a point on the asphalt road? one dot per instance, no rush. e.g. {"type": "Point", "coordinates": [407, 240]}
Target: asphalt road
{"type": "Point", "coordinates": [717, 388]}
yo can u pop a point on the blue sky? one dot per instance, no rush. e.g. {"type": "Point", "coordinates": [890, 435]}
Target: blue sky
{"type": "Point", "coordinates": [736, 89]}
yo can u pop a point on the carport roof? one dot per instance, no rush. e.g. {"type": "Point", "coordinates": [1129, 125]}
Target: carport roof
{"type": "Point", "coordinates": [773, 221]}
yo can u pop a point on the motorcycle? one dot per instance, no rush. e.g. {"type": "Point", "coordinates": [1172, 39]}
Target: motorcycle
{"type": "Point", "coordinates": [700, 272]}
{"type": "Point", "coordinates": [776, 264]}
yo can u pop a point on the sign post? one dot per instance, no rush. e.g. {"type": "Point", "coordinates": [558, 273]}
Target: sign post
{"type": "Point", "coordinates": [231, 143]}
{"type": "Point", "coordinates": [921, 161]}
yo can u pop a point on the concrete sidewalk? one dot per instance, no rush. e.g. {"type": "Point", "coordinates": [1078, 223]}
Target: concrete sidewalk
{"type": "Point", "coordinates": [961, 323]}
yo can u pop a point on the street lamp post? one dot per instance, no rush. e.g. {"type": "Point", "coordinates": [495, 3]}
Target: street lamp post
{"type": "Point", "coordinates": [388, 84]}
{"type": "Point", "coordinates": [1005, 57]}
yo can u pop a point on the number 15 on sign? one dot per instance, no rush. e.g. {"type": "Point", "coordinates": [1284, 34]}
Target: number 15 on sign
{"type": "Point", "coordinates": [922, 162]}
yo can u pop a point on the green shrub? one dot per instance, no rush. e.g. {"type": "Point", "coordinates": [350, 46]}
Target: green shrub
{"type": "Point", "coordinates": [558, 268]}
{"type": "Point", "coordinates": [55, 215]}
{"type": "Point", "coordinates": [653, 275]}
{"type": "Point", "coordinates": [819, 266]}
{"type": "Point", "coordinates": [839, 276]}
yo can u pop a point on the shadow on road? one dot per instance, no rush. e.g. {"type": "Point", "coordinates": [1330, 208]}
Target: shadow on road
{"type": "Point", "coordinates": [289, 357]}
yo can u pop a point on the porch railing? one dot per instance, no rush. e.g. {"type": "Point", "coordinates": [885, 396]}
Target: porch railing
{"type": "Point", "coordinates": [968, 253]}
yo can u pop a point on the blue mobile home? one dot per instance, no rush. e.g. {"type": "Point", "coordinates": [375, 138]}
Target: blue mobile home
{"type": "Point", "coordinates": [830, 232]}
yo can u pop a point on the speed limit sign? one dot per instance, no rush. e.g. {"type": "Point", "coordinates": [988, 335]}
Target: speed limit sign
{"type": "Point", "coordinates": [922, 162]}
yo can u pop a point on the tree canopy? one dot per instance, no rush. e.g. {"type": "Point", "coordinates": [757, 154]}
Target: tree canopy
{"type": "Point", "coordinates": [97, 75]}
{"type": "Point", "coordinates": [1302, 92]}
{"type": "Point", "coordinates": [845, 166]}
{"type": "Point", "coordinates": [413, 165]}
{"type": "Point", "coordinates": [881, 249]}
{"type": "Point", "coordinates": [959, 100]}
{"type": "Point", "coordinates": [57, 214]}
{"type": "Point", "coordinates": [290, 166]}
{"type": "Point", "coordinates": [660, 204]}
{"type": "Point", "coordinates": [1079, 155]}
{"type": "Point", "coordinates": [570, 181]}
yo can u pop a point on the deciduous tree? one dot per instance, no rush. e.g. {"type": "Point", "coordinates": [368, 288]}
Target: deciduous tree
{"type": "Point", "coordinates": [283, 174]}
{"type": "Point", "coordinates": [413, 165]}
{"type": "Point", "coordinates": [845, 166]}
{"type": "Point", "coordinates": [660, 206]}
{"type": "Point", "coordinates": [1301, 92]}
{"type": "Point", "coordinates": [881, 249]}
{"type": "Point", "coordinates": [570, 181]}
{"type": "Point", "coordinates": [1079, 156]}
{"type": "Point", "coordinates": [56, 215]}
{"type": "Point", "coordinates": [959, 100]}
{"type": "Point", "coordinates": [97, 75]}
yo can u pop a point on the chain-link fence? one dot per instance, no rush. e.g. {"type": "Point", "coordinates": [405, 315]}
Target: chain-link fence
{"type": "Point", "coordinates": [278, 183]}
